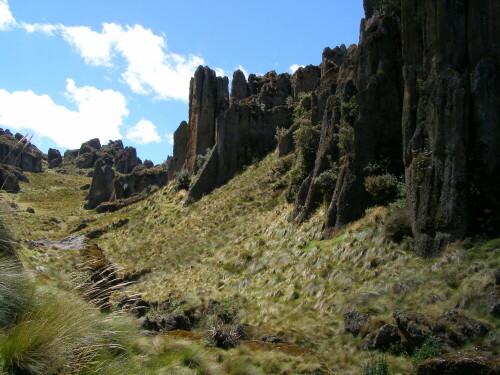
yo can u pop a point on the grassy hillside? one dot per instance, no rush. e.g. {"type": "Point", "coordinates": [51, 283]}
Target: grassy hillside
{"type": "Point", "coordinates": [236, 246]}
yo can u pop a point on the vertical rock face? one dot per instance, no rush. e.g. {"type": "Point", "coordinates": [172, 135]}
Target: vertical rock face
{"type": "Point", "coordinates": [244, 133]}
{"type": "Point", "coordinates": [17, 151]}
{"type": "Point", "coordinates": [101, 188]}
{"type": "Point", "coordinates": [451, 119]}
{"type": "Point", "coordinates": [305, 80]}
{"type": "Point", "coordinates": [126, 160]}
{"type": "Point", "coordinates": [360, 99]}
{"type": "Point", "coordinates": [180, 147]}
{"type": "Point", "coordinates": [337, 88]}
{"type": "Point", "coordinates": [208, 98]}
{"type": "Point", "coordinates": [377, 127]}
{"type": "Point", "coordinates": [239, 87]}
{"type": "Point", "coordinates": [54, 158]}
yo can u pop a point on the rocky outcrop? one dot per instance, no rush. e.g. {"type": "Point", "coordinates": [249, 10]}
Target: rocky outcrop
{"type": "Point", "coordinates": [244, 133]}
{"type": "Point", "coordinates": [208, 98]}
{"type": "Point", "coordinates": [126, 160]}
{"type": "Point", "coordinates": [181, 136]}
{"type": "Point", "coordinates": [451, 328]}
{"type": "Point", "coordinates": [451, 119]}
{"type": "Point", "coordinates": [383, 339]}
{"type": "Point", "coordinates": [19, 152]}
{"type": "Point", "coordinates": [239, 87]}
{"type": "Point", "coordinates": [101, 188]}
{"type": "Point", "coordinates": [54, 158]}
{"type": "Point", "coordinates": [336, 91]}
{"type": "Point", "coordinates": [467, 362]}
{"type": "Point", "coordinates": [355, 320]}
{"type": "Point", "coordinates": [141, 179]}
{"type": "Point", "coordinates": [305, 80]}
{"type": "Point", "coordinates": [10, 177]}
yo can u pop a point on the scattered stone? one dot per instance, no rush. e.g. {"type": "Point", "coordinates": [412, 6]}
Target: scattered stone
{"type": "Point", "coordinates": [470, 362]}
{"type": "Point", "coordinates": [272, 339]}
{"type": "Point", "coordinates": [30, 210]}
{"type": "Point", "coordinates": [383, 339]}
{"type": "Point", "coordinates": [85, 187]}
{"type": "Point", "coordinates": [75, 242]}
{"type": "Point", "coordinates": [355, 320]}
{"type": "Point", "coordinates": [79, 227]}
{"type": "Point", "coordinates": [452, 328]}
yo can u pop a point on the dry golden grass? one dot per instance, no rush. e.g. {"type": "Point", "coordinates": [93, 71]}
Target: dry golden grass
{"type": "Point", "coordinates": [237, 245]}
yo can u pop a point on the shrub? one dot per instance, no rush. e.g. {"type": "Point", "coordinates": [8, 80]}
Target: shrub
{"type": "Point", "coordinates": [378, 367]}
{"type": "Point", "coordinates": [182, 180]}
{"type": "Point", "coordinates": [280, 133]}
{"type": "Point", "coordinates": [326, 181]}
{"type": "Point", "coordinates": [397, 223]}
{"type": "Point", "coordinates": [382, 188]}
{"type": "Point", "coordinates": [346, 139]}
{"type": "Point", "coordinates": [303, 106]}
{"type": "Point", "coordinates": [201, 159]}
{"type": "Point", "coordinates": [306, 139]}
{"type": "Point", "coordinates": [430, 348]}
{"type": "Point", "coordinates": [349, 111]}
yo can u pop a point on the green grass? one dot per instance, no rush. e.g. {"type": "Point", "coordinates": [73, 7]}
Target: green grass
{"type": "Point", "coordinates": [237, 245]}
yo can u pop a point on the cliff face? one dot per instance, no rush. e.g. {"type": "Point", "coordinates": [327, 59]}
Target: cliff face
{"type": "Point", "coordinates": [451, 119]}
{"type": "Point", "coordinates": [208, 98]}
{"type": "Point", "coordinates": [417, 100]}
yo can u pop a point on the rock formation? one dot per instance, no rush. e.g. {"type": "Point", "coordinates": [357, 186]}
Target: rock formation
{"type": "Point", "coordinates": [451, 119]}
{"type": "Point", "coordinates": [17, 151]}
{"type": "Point", "coordinates": [101, 188]}
{"type": "Point", "coordinates": [246, 131]}
{"type": "Point", "coordinates": [54, 158]}
{"type": "Point", "coordinates": [239, 87]}
{"type": "Point", "coordinates": [208, 98]}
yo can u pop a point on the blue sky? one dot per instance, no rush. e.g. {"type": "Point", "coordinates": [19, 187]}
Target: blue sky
{"type": "Point", "coordinates": [71, 70]}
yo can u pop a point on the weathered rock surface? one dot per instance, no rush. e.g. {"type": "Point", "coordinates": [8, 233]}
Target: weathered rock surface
{"type": "Point", "coordinates": [102, 187]}
{"type": "Point", "coordinates": [54, 158]}
{"type": "Point", "coordinates": [451, 119]}
{"type": "Point", "coordinates": [10, 177]}
{"type": "Point", "coordinates": [355, 320]}
{"type": "Point", "coordinates": [19, 152]}
{"type": "Point", "coordinates": [305, 80]}
{"type": "Point", "coordinates": [382, 339]}
{"type": "Point", "coordinates": [452, 328]}
{"type": "Point", "coordinates": [208, 98]}
{"type": "Point", "coordinates": [377, 124]}
{"type": "Point", "coordinates": [181, 136]}
{"type": "Point", "coordinates": [468, 362]}
{"type": "Point", "coordinates": [244, 132]}
{"type": "Point", "coordinates": [239, 87]}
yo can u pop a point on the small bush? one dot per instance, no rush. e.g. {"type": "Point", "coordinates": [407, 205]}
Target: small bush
{"type": "Point", "coordinates": [382, 188]}
{"type": "Point", "coordinates": [303, 107]}
{"type": "Point", "coordinates": [182, 180]}
{"type": "Point", "coordinates": [280, 133]}
{"type": "Point", "coordinates": [430, 348]}
{"type": "Point", "coordinates": [306, 139]}
{"type": "Point", "coordinates": [201, 159]}
{"type": "Point", "coordinates": [378, 367]}
{"type": "Point", "coordinates": [397, 223]}
{"type": "Point", "coordinates": [346, 139]}
{"type": "Point", "coordinates": [326, 181]}
{"type": "Point", "coordinates": [349, 111]}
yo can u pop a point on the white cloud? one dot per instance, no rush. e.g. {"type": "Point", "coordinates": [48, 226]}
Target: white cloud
{"type": "Point", "coordinates": [6, 18]}
{"type": "Point", "coordinates": [294, 67]}
{"type": "Point", "coordinates": [151, 67]}
{"type": "Point", "coordinates": [143, 132]}
{"type": "Point", "coordinates": [40, 27]}
{"type": "Point", "coordinates": [220, 72]}
{"type": "Point", "coordinates": [170, 138]}
{"type": "Point", "coordinates": [99, 114]}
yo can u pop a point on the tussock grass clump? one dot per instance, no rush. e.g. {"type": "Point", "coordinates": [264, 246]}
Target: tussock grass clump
{"type": "Point", "coordinates": [15, 290]}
